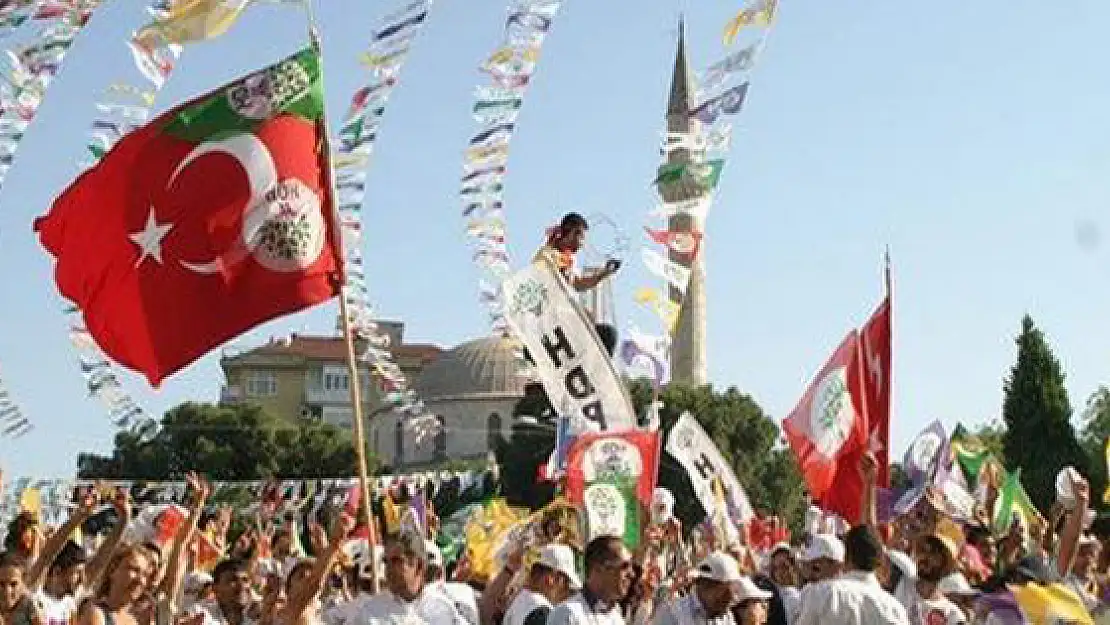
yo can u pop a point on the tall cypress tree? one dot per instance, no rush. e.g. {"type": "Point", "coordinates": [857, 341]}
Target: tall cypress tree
{"type": "Point", "coordinates": [1039, 435]}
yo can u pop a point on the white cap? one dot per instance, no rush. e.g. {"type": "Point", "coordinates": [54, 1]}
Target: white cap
{"type": "Point", "coordinates": [560, 558]}
{"type": "Point", "coordinates": [746, 590]}
{"type": "Point", "coordinates": [825, 546]}
{"type": "Point", "coordinates": [435, 556]}
{"type": "Point", "coordinates": [196, 581]}
{"type": "Point", "coordinates": [956, 584]}
{"type": "Point", "coordinates": [719, 567]}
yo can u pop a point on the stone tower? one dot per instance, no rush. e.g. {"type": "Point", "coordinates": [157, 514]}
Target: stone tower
{"type": "Point", "coordinates": [688, 358]}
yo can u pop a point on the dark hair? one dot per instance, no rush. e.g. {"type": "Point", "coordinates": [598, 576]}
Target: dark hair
{"type": "Point", "coordinates": [233, 566]}
{"type": "Point", "coordinates": [862, 548]}
{"type": "Point", "coordinates": [573, 220]}
{"type": "Point", "coordinates": [601, 550]}
{"type": "Point", "coordinates": [16, 528]}
{"type": "Point", "coordinates": [71, 555]}
{"type": "Point", "coordinates": [12, 560]}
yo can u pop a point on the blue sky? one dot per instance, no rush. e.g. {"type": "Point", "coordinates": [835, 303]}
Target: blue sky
{"type": "Point", "coordinates": [971, 137]}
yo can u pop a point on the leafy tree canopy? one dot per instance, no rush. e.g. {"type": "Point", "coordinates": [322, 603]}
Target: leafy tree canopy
{"type": "Point", "coordinates": [225, 443]}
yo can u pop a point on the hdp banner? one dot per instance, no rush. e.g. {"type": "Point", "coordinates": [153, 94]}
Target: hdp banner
{"type": "Point", "coordinates": [570, 359]}
{"type": "Point", "coordinates": [611, 474]}
{"type": "Point", "coordinates": [694, 450]}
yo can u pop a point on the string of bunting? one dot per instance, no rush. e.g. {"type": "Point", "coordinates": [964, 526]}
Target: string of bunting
{"type": "Point", "coordinates": [12, 421]}
{"type": "Point", "coordinates": [28, 69]}
{"type": "Point", "coordinates": [155, 50]}
{"type": "Point", "coordinates": [694, 173]}
{"type": "Point", "coordinates": [384, 58]}
{"type": "Point", "coordinates": [496, 107]}
{"type": "Point", "coordinates": [53, 497]}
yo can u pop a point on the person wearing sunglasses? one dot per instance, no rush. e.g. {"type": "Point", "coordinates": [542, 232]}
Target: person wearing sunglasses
{"type": "Point", "coordinates": [609, 575]}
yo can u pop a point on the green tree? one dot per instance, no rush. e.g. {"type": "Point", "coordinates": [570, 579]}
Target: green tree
{"type": "Point", "coordinates": [225, 443]}
{"type": "Point", "coordinates": [1039, 436]}
{"type": "Point", "coordinates": [991, 436]}
{"type": "Point", "coordinates": [1095, 421]}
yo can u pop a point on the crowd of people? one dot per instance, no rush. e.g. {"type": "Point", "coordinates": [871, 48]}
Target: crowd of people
{"type": "Point", "coordinates": [925, 568]}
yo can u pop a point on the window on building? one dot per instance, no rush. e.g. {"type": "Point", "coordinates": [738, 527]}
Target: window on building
{"type": "Point", "coordinates": [399, 444]}
{"type": "Point", "coordinates": [336, 379]}
{"type": "Point", "coordinates": [441, 439]}
{"type": "Point", "coordinates": [261, 384]}
{"type": "Point", "coordinates": [493, 431]}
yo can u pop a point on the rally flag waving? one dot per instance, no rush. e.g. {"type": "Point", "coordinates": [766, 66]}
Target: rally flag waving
{"type": "Point", "coordinates": [828, 432]}
{"type": "Point", "coordinates": [213, 218]}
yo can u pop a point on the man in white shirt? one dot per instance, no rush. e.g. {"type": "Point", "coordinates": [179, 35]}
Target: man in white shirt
{"type": "Point", "coordinates": [233, 595]}
{"type": "Point", "coordinates": [550, 581]}
{"type": "Point", "coordinates": [406, 600]}
{"type": "Point", "coordinates": [717, 581]}
{"type": "Point", "coordinates": [609, 573]}
{"type": "Point", "coordinates": [854, 598]}
{"type": "Point", "coordinates": [64, 581]}
{"type": "Point", "coordinates": [935, 556]}
{"type": "Point", "coordinates": [823, 558]}
{"type": "Point", "coordinates": [464, 597]}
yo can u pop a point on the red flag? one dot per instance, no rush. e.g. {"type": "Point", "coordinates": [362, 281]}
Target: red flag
{"type": "Point", "coordinates": [875, 344]}
{"type": "Point", "coordinates": [828, 432]}
{"type": "Point", "coordinates": [210, 220]}
{"type": "Point", "coordinates": [685, 244]}
{"type": "Point", "coordinates": [632, 454]}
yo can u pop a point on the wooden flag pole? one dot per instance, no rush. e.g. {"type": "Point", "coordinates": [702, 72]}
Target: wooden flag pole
{"type": "Point", "coordinates": [366, 507]}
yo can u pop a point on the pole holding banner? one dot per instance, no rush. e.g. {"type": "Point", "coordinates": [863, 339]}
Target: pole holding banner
{"type": "Point", "coordinates": [348, 336]}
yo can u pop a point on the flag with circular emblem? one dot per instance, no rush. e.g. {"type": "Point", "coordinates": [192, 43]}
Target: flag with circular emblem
{"type": "Point", "coordinates": [206, 222]}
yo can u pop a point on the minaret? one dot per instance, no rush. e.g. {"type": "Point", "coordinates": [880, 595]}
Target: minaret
{"type": "Point", "coordinates": [688, 359]}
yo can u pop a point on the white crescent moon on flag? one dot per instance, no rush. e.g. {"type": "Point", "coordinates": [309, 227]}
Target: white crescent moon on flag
{"type": "Point", "coordinates": [257, 162]}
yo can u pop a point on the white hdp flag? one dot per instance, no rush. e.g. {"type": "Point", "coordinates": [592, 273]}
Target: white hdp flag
{"type": "Point", "coordinates": [571, 361]}
{"type": "Point", "coordinates": [694, 450]}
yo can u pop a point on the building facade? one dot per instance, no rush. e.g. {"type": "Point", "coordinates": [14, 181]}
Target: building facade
{"type": "Point", "coordinates": [306, 377]}
{"type": "Point", "coordinates": [472, 389]}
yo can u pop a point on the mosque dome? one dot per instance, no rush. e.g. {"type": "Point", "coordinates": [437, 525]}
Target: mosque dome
{"type": "Point", "coordinates": [484, 368]}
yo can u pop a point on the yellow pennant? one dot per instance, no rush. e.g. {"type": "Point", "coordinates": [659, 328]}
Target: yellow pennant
{"type": "Point", "coordinates": [192, 20]}
{"type": "Point", "coordinates": [653, 299]}
{"type": "Point", "coordinates": [486, 152]}
{"type": "Point", "coordinates": [506, 54]}
{"type": "Point", "coordinates": [31, 501]}
{"type": "Point", "coordinates": [1106, 495]}
{"type": "Point", "coordinates": [146, 96]}
{"type": "Point", "coordinates": [760, 14]}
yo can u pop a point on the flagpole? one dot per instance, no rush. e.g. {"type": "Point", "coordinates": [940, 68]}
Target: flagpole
{"type": "Point", "coordinates": [367, 507]}
{"type": "Point", "coordinates": [886, 271]}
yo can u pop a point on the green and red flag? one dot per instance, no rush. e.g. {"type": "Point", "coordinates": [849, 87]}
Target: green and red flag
{"type": "Point", "coordinates": [215, 217]}
{"type": "Point", "coordinates": [612, 475]}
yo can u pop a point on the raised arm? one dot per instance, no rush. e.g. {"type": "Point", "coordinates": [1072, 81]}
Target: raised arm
{"type": "Point", "coordinates": [303, 594]}
{"type": "Point", "coordinates": [96, 567]}
{"type": "Point", "coordinates": [1073, 526]}
{"type": "Point", "coordinates": [176, 564]}
{"type": "Point", "coordinates": [37, 573]}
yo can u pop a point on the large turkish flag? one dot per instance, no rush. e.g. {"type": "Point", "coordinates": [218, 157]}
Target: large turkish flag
{"type": "Point", "coordinates": [171, 247]}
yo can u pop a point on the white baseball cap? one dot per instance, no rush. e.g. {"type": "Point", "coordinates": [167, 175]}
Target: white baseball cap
{"type": "Point", "coordinates": [560, 558]}
{"type": "Point", "coordinates": [435, 556]}
{"type": "Point", "coordinates": [956, 584]}
{"type": "Point", "coordinates": [825, 546]}
{"type": "Point", "coordinates": [719, 567]}
{"type": "Point", "coordinates": [746, 590]}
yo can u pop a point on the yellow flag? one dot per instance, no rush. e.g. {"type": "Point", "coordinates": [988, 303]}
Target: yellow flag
{"type": "Point", "coordinates": [31, 501]}
{"type": "Point", "coordinates": [1054, 603]}
{"type": "Point", "coordinates": [1106, 495]}
{"type": "Point", "coordinates": [760, 14]}
{"type": "Point", "coordinates": [192, 20]}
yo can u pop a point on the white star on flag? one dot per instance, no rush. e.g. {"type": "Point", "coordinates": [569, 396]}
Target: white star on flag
{"type": "Point", "coordinates": [150, 238]}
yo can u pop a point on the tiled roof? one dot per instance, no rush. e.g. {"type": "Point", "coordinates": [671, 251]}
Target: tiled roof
{"type": "Point", "coordinates": [334, 348]}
